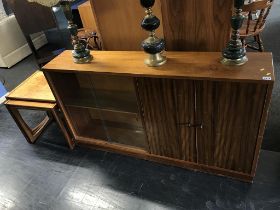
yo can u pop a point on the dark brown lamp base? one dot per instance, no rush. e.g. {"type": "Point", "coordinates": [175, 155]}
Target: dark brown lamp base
{"type": "Point", "coordinates": [235, 52]}
{"type": "Point", "coordinates": [155, 60]}
{"type": "Point", "coordinates": [234, 62]}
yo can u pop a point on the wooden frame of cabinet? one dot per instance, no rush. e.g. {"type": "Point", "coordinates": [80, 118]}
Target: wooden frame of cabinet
{"type": "Point", "coordinates": [192, 112]}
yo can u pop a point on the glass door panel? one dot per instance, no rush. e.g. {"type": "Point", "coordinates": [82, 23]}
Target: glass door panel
{"type": "Point", "coordinates": [102, 107]}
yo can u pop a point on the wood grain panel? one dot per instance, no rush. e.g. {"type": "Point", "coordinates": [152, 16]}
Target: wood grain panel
{"type": "Point", "coordinates": [167, 108]}
{"type": "Point", "coordinates": [119, 23]}
{"type": "Point", "coordinates": [159, 115]}
{"type": "Point", "coordinates": [196, 25]}
{"type": "Point", "coordinates": [230, 114]}
{"type": "Point", "coordinates": [262, 128]}
{"type": "Point", "coordinates": [185, 109]}
{"type": "Point", "coordinates": [87, 17]}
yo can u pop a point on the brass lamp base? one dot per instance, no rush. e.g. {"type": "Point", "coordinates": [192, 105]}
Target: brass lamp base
{"type": "Point", "coordinates": [235, 62]}
{"type": "Point", "coordinates": [82, 60]}
{"type": "Point", "coordinates": [155, 60]}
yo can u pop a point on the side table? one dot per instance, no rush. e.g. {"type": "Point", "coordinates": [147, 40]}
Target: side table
{"type": "Point", "coordinates": [35, 94]}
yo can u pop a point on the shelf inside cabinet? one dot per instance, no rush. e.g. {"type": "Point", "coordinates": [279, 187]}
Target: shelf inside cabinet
{"type": "Point", "coordinates": [111, 126]}
{"type": "Point", "coordinates": [104, 100]}
{"type": "Point", "coordinates": [116, 132]}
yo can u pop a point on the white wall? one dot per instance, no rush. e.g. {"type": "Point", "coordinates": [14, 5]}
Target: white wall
{"type": "Point", "coordinates": [2, 11]}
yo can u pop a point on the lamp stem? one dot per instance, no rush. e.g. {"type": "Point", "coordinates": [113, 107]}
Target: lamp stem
{"type": "Point", "coordinates": [153, 45]}
{"type": "Point", "coordinates": [235, 52]}
{"type": "Point", "coordinates": [80, 53]}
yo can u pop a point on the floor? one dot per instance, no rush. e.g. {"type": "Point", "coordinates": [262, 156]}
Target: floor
{"type": "Point", "coordinates": [49, 176]}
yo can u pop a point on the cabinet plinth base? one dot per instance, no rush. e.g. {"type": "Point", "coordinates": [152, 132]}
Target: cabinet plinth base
{"type": "Point", "coordinates": [142, 154]}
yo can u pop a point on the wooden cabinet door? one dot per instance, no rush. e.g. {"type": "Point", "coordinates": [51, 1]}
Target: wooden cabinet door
{"type": "Point", "coordinates": [230, 114]}
{"type": "Point", "coordinates": [167, 109]}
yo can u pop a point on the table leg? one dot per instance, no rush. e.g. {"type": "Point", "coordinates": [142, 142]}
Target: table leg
{"type": "Point", "coordinates": [30, 134]}
{"type": "Point", "coordinates": [63, 128]}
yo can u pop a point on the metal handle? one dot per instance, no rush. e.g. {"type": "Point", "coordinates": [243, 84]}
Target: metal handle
{"type": "Point", "coordinates": [192, 125]}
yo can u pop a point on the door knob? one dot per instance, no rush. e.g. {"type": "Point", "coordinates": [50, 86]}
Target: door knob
{"type": "Point", "coordinates": [190, 125]}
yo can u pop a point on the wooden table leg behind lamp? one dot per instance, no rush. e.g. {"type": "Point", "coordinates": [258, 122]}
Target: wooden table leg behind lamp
{"type": "Point", "coordinates": [35, 94]}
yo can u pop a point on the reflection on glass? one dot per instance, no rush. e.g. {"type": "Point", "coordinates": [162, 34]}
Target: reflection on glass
{"type": "Point", "coordinates": [105, 108]}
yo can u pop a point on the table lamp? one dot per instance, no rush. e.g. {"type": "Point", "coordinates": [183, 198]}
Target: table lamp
{"type": "Point", "coordinates": [235, 52]}
{"type": "Point", "coordinates": [80, 53]}
{"type": "Point", "coordinates": [152, 45]}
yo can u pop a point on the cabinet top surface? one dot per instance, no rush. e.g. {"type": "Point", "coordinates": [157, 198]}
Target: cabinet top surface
{"type": "Point", "coordinates": [187, 65]}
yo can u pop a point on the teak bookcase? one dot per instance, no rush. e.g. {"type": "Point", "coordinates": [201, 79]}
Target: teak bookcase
{"type": "Point", "coordinates": [192, 112]}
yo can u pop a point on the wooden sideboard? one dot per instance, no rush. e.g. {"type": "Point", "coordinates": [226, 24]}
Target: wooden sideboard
{"type": "Point", "coordinates": [192, 112]}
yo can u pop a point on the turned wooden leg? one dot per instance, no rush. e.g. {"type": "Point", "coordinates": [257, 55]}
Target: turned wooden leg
{"type": "Point", "coordinates": [30, 134]}
{"type": "Point", "coordinates": [243, 42]}
{"type": "Point", "coordinates": [63, 128]}
{"type": "Point", "coordinates": [260, 43]}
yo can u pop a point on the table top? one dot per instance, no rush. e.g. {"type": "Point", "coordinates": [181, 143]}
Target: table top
{"type": "Point", "coordinates": [35, 88]}
{"type": "Point", "coordinates": [187, 65]}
